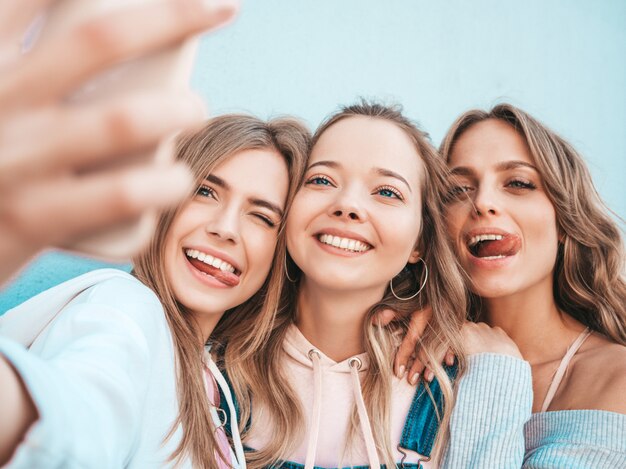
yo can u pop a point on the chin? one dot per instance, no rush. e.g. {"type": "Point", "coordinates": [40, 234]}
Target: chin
{"type": "Point", "coordinates": [493, 289]}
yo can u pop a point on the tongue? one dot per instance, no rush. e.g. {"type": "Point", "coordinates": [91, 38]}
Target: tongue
{"type": "Point", "coordinates": [227, 278]}
{"type": "Point", "coordinates": [507, 246]}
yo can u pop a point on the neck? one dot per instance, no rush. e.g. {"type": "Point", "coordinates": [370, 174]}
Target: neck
{"type": "Point", "coordinates": [532, 319]}
{"type": "Point", "coordinates": [333, 320]}
{"type": "Point", "coordinates": [206, 322]}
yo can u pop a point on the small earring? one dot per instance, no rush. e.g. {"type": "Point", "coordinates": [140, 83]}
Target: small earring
{"type": "Point", "coordinates": [287, 272]}
{"type": "Point", "coordinates": [420, 288]}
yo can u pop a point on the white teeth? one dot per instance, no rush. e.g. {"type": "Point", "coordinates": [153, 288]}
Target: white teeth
{"type": "Point", "coordinates": [493, 257]}
{"type": "Point", "coordinates": [210, 260]}
{"type": "Point", "coordinates": [343, 243]}
{"type": "Point", "coordinates": [484, 237]}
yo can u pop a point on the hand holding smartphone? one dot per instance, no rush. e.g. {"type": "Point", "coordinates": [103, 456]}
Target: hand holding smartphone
{"type": "Point", "coordinates": [84, 110]}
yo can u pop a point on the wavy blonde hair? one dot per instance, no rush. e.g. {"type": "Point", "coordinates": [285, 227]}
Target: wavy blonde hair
{"type": "Point", "coordinates": [260, 377]}
{"type": "Point", "coordinates": [589, 270]}
{"type": "Point", "coordinates": [204, 150]}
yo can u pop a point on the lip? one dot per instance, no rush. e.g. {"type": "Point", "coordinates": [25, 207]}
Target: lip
{"type": "Point", "coordinates": [216, 253]}
{"type": "Point", "coordinates": [207, 280]}
{"type": "Point", "coordinates": [481, 262]}
{"type": "Point", "coordinates": [344, 234]}
{"type": "Point", "coordinates": [467, 236]}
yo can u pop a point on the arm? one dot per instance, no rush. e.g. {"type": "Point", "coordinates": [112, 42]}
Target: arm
{"type": "Point", "coordinates": [17, 410]}
{"type": "Point", "coordinates": [87, 378]}
{"type": "Point", "coordinates": [494, 401]}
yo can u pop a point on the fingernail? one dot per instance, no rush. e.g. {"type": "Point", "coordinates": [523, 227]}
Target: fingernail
{"type": "Point", "coordinates": [173, 181]}
{"type": "Point", "coordinates": [429, 376]}
{"type": "Point", "coordinates": [401, 371]}
{"type": "Point", "coordinates": [414, 378]}
{"type": "Point", "coordinates": [222, 7]}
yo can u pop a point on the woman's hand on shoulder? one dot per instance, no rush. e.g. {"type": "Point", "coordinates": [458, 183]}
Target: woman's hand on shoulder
{"type": "Point", "coordinates": [482, 338]}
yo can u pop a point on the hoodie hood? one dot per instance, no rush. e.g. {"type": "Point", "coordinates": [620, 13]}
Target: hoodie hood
{"type": "Point", "coordinates": [299, 348]}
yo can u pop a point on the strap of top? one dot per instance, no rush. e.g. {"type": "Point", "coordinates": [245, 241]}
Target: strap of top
{"type": "Point", "coordinates": [560, 372]}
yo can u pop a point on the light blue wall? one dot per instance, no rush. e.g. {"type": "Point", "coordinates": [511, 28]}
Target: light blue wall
{"type": "Point", "coordinates": [563, 61]}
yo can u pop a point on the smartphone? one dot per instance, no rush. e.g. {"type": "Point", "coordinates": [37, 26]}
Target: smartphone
{"type": "Point", "coordinates": [167, 69]}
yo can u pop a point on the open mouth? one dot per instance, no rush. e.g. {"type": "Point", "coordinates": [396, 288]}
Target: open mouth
{"type": "Point", "coordinates": [346, 244]}
{"type": "Point", "coordinates": [491, 246]}
{"type": "Point", "coordinates": [213, 266]}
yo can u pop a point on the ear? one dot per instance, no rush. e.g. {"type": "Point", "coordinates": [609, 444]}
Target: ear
{"type": "Point", "coordinates": [414, 257]}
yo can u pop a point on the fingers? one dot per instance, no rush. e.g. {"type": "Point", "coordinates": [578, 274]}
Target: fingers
{"type": "Point", "coordinates": [15, 18]}
{"type": "Point", "coordinates": [415, 371]}
{"type": "Point", "coordinates": [384, 317]}
{"type": "Point", "coordinates": [417, 325]}
{"type": "Point", "coordinates": [449, 359]}
{"type": "Point", "coordinates": [65, 60]}
{"type": "Point", "coordinates": [64, 209]}
{"type": "Point", "coordinates": [79, 138]}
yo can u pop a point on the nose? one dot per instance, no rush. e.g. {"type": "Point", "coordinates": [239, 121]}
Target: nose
{"type": "Point", "coordinates": [348, 206]}
{"type": "Point", "coordinates": [485, 202]}
{"type": "Point", "coordinates": [224, 225]}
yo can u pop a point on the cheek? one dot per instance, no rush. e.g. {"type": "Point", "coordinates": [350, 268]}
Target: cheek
{"type": "Point", "coordinates": [402, 233]}
{"type": "Point", "coordinates": [260, 252]}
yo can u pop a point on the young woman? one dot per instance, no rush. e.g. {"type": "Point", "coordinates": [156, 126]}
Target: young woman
{"type": "Point", "coordinates": [546, 264]}
{"type": "Point", "coordinates": [117, 374]}
{"type": "Point", "coordinates": [366, 232]}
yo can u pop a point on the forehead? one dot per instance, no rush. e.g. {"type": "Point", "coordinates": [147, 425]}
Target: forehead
{"type": "Point", "coordinates": [361, 143]}
{"type": "Point", "coordinates": [489, 142]}
{"type": "Point", "coordinates": [258, 173]}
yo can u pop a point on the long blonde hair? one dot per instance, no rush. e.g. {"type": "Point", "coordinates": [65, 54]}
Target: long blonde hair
{"type": "Point", "coordinates": [204, 150]}
{"type": "Point", "coordinates": [261, 378]}
{"type": "Point", "coordinates": [588, 274]}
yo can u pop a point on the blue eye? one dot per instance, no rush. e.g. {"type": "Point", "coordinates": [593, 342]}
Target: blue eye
{"type": "Point", "coordinates": [204, 191]}
{"type": "Point", "coordinates": [521, 184]}
{"type": "Point", "coordinates": [389, 192]}
{"type": "Point", "coordinates": [319, 181]}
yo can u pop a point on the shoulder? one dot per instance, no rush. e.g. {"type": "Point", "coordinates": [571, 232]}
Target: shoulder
{"type": "Point", "coordinates": [117, 287]}
{"type": "Point", "coordinates": [110, 296]}
{"type": "Point", "coordinates": [598, 377]}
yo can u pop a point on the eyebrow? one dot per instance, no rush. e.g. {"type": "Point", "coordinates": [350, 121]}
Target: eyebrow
{"type": "Point", "coordinates": [330, 164]}
{"type": "Point", "coordinates": [392, 174]}
{"type": "Point", "coordinates": [252, 200]}
{"type": "Point", "coordinates": [268, 205]}
{"type": "Point", "coordinates": [381, 171]}
{"type": "Point", "coordinates": [504, 166]}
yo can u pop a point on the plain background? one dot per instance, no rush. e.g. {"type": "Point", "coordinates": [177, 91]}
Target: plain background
{"type": "Point", "coordinates": [563, 61]}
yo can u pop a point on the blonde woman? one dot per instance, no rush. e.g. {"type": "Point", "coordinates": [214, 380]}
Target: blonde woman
{"type": "Point", "coordinates": [546, 264]}
{"type": "Point", "coordinates": [366, 232]}
{"type": "Point", "coordinates": [117, 374]}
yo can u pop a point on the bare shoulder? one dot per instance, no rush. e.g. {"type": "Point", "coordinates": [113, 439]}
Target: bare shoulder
{"type": "Point", "coordinates": [597, 377]}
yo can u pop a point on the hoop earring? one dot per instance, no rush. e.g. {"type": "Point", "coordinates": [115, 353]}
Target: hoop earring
{"type": "Point", "coordinates": [287, 271]}
{"type": "Point", "coordinates": [418, 291]}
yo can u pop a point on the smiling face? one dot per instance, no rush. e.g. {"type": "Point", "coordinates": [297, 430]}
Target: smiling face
{"type": "Point", "coordinates": [355, 222]}
{"type": "Point", "coordinates": [502, 222]}
{"type": "Point", "coordinates": [220, 246]}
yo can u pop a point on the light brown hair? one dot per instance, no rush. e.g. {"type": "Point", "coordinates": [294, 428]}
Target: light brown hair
{"type": "Point", "coordinates": [261, 377]}
{"type": "Point", "coordinates": [204, 150]}
{"type": "Point", "coordinates": [588, 273]}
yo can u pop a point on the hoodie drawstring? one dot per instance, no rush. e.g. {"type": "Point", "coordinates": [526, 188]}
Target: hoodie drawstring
{"type": "Point", "coordinates": [355, 365]}
{"type": "Point", "coordinates": [372, 454]}
{"type": "Point", "coordinates": [311, 448]}
{"type": "Point", "coordinates": [234, 428]}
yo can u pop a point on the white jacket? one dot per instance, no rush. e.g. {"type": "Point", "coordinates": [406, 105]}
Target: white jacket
{"type": "Point", "coordinates": [96, 355]}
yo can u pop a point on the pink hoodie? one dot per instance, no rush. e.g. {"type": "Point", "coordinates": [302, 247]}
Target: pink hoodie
{"type": "Point", "coordinates": [327, 390]}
